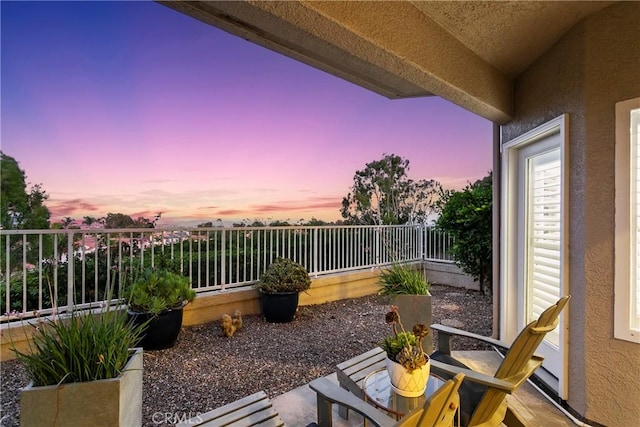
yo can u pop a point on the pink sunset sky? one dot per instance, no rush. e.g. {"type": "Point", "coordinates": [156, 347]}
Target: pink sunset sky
{"type": "Point", "coordinates": [132, 107]}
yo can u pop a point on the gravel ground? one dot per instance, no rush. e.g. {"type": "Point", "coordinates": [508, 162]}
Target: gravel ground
{"type": "Point", "coordinates": [205, 370]}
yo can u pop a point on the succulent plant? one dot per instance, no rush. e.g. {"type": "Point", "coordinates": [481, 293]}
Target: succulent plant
{"type": "Point", "coordinates": [405, 347]}
{"type": "Point", "coordinates": [284, 275]}
{"type": "Point", "coordinates": [156, 290]}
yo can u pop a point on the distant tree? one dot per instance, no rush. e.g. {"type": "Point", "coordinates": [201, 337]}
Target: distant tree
{"type": "Point", "coordinates": [315, 222]}
{"type": "Point", "coordinates": [67, 222]}
{"type": "Point", "coordinates": [89, 220]}
{"type": "Point", "coordinates": [142, 222]}
{"type": "Point", "coordinates": [207, 224]}
{"type": "Point", "coordinates": [383, 194]}
{"type": "Point", "coordinates": [20, 208]}
{"type": "Point", "coordinates": [279, 223]}
{"type": "Point", "coordinates": [118, 220]}
{"type": "Point", "coordinates": [466, 215]}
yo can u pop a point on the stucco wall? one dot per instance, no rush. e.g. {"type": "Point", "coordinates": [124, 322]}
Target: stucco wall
{"type": "Point", "coordinates": [447, 273]}
{"type": "Point", "coordinates": [592, 67]}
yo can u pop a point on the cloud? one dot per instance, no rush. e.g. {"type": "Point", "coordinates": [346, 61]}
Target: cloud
{"type": "Point", "coordinates": [71, 207]}
{"type": "Point", "coordinates": [294, 206]}
{"type": "Point", "coordinates": [147, 214]}
{"type": "Point", "coordinates": [228, 212]}
{"type": "Point", "coordinates": [157, 181]}
{"type": "Point", "coordinates": [283, 207]}
{"type": "Point", "coordinates": [195, 205]}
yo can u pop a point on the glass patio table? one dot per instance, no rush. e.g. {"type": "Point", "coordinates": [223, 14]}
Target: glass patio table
{"type": "Point", "coordinates": [378, 392]}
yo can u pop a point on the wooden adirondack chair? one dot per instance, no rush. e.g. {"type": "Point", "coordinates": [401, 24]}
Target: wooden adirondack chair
{"type": "Point", "coordinates": [482, 397]}
{"type": "Point", "coordinates": [438, 411]}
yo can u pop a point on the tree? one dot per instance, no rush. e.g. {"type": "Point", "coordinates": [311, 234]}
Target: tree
{"type": "Point", "coordinates": [383, 194]}
{"type": "Point", "coordinates": [466, 215]}
{"type": "Point", "coordinates": [120, 220]}
{"type": "Point", "coordinates": [315, 222]}
{"type": "Point", "coordinates": [20, 208]}
{"type": "Point", "coordinates": [88, 220]}
{"type": "Point", "coordinates": [67, 222]}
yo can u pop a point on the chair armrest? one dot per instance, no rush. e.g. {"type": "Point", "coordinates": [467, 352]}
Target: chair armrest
{"type": "Point", "coordinates": [328, 391]}
{"type": "Point", "coordinates": [446, 332]}
{"type": "Point", "coordinates": [476, 377]}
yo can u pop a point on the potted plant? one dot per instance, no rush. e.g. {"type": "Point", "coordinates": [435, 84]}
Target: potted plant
{"type": "Point", "coordinates": [83, 367]}
{"type": "Point", "coordinates": [279, 289]}
{"type": "Point", "coordinates": [157, 297]}
{"type": "Point", "coordinates": [407, 363]}
{"type": "Point", "coordinates": [409, 291]}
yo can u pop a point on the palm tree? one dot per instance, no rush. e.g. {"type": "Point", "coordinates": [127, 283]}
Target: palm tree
{"type": "Point", "coordinates": [67, 221]}
{"type": "Point", "coordinates": [88, 220]}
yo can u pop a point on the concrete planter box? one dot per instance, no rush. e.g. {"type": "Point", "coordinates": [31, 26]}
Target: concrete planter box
{"type": "Point", "coordinates": [112, 402]}
{"type": "Point", "coordinates": [416, 309]}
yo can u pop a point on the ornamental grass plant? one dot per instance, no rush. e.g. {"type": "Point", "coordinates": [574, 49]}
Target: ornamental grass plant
{"type": "Point", "coordinates": [403, 280]}
{"type": "Point", "coordinates": [84, 346]}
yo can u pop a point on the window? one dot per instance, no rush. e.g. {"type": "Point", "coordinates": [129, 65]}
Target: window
{"type": "Point", "coordinates": [627, 244]}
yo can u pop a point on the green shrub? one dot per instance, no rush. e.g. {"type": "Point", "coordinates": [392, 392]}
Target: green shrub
{"type": "Point", "coordinates": [284, 275]}
{"type": "Point", "coordinates": [403, 280]}
{"type": "Point", "coordinates": [156, 290]}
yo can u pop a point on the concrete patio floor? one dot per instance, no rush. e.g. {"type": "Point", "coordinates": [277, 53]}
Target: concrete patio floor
{"type": "Point", "coordinates": [297, 408]}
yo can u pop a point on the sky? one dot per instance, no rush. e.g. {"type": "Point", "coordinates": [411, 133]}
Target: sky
{"type": "Point", "coordinates": [135, 108]}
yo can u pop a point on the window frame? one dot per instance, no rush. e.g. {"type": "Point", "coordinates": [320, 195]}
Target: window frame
{"type": "Point", "coordinates": [626, 167]}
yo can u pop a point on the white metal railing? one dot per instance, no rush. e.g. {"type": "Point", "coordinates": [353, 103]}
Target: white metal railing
{"type": "Point", "coordinates": [39, 276]}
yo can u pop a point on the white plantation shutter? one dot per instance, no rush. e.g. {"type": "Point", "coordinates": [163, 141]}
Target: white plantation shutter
{"type": "Point", "coordinates": [544, 235]}
{"type": "Point", "coordinates": [627, 236]}
{"type": "Point", "coordinates": [634, 282]}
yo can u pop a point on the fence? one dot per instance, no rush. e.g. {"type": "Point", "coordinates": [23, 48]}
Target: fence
{"type": "Point", "coordinates": [47, 270]}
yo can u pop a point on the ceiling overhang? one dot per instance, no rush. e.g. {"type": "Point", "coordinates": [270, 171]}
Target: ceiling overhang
{"type": "Point", "coordinates": [397, 51]}
{"type": "Point", "coordinates": [465, 52]}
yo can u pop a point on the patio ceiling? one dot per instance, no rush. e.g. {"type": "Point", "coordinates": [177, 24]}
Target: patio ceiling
{"type": "Point", "coordinates": [465, 51]}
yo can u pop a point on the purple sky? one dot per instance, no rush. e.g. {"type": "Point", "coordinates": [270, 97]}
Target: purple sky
{"type": "Point", "coordinates": [132, 107]}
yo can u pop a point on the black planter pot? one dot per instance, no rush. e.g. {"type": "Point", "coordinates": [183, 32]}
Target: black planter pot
{"type": "Point", "coordinates": [162, 330]}
{"type": "Point", "coordinates": [279, 308]}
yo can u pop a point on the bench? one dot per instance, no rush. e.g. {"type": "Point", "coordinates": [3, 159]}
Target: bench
{"type": "Point", "coordinates": [252, 410]}
{"type": "Point", "coordinates": [352, 372]}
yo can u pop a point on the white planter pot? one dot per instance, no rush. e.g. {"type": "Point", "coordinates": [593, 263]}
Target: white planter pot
{"type": "Point", "coordinates": [112, 402]}
{"type": "Point", "coordinates": [405, 383]}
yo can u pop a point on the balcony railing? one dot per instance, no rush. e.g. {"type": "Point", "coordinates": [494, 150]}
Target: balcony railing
{"type": "Point", "coordinates": [60, 270]}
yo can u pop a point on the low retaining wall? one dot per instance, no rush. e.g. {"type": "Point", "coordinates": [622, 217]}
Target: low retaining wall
{"type": "Point", "coordinates": [210, 306]}
{"type": "Point", "coordinates": [447, 273]}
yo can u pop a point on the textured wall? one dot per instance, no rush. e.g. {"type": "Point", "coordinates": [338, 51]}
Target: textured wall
{"type": "Point", "coordinates": [447, 273]}
{"type": "Point", "coordinates": [592, 67]}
